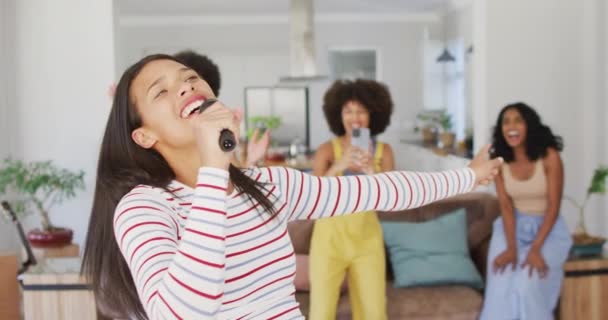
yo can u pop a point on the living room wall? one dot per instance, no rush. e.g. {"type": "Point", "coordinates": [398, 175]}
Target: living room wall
{"type": "Point", "coordinates": [63, 66]}
{"type": "Point", "coordinates": [234, 40]}
{"type": "Point", "coordinates": [8, 239]}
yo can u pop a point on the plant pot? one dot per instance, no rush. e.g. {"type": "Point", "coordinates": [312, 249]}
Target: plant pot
{"type": "Point", "coordinates": [447, 139]}
{"type": "Point", "coordinates": [587, 246]}
{"type": "Point", "coordinates": [429, 135]}
{"type": "Point", "coordinates": [56, 237]}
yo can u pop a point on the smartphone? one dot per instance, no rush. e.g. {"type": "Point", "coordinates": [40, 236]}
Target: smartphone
{"type": "Point", "coordinates": [361, 138]}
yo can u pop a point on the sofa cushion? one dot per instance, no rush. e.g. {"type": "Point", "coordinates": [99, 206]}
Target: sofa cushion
{"type": "Point", "coordinates": [482, 209]}
{"type": "Point", "coordinates": [431, 253]}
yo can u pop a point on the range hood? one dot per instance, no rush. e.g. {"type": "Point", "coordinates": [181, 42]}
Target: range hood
{"type": "Point", "coordinates": [302, 62]}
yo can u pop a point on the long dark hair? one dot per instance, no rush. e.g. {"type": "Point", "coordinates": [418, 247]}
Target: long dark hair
{"type": "Point", "coordinates": [122, 165]}
{"type": "Point", "coordinates": [539, 136]}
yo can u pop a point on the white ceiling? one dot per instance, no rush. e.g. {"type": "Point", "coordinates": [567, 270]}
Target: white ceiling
{"type": "Point", "coordinates": [272, 7]}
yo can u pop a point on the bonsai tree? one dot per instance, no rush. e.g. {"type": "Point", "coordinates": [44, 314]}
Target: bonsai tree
{"type": "Point", "coordinates": [445, 121]}
{"type": "Point", "coordinates": [439, 118]}
{"type": "Point", "coordinates": [261, 122]}
{"type": "Point", "coordinates": [38, 186]}
{"type": "Point", "coordinates": [597, 186]}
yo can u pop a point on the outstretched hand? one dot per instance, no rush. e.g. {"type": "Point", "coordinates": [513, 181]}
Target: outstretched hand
{"type": "Point", "coordinates": [485, 168]}
{"type": "Point", "coordinates": [257, 147]}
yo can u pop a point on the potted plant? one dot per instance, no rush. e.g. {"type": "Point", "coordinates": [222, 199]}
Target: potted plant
{"type": "Point", "coordinates": [585, 244]}
{"type": "Point", "coordinates": [266, 123]}
{"type": "Point", "coordinates": [37, 187]}
{"type": "Point", "coordinates": [446, 137]}
{"type": "Point", "coordinates": [429, 127]}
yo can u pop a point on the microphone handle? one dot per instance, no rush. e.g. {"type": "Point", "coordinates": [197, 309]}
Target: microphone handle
{"type": "Point", "coordinates": [227, 141]}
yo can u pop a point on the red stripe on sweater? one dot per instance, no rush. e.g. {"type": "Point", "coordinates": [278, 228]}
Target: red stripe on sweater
{"type": "Point", "coordinates": [150, 258]}
{"type": "Point", "coordinates": [211, 186]}
{"type": "Point", "coordinates": [337, 198]}
{"type": "Point", "coordinates": [191, 289]}
{"type": "Point", "coordinates": [287, 193]}
{"type": "Point", "coordinates": [252, 207]}
{"type": "Point", "coordinates": [423, 188]}
{"type": "Point", "coordinates": [319, 193]}
{"type": "Point", "coordinates": [209, 210]}
{"type": "Point", "coordinates": [168, 306]}
{"type": "Point", "coordinates": [411, 191]}
{"type": "Point", "coordinates": [299, 194]}
{"type": "Point", "coordinates": [208, 235]}
{"type": "Point", "coordinates": [134, 208]}
{"type": "Point", "coordinates": [260, 288]}
{"type": "Point", "coordinates": [146, 242]}
{"type": "Point", "coordinates": [396, 192]}
{"type": "Point", "coordinates": [447, 185]}
{"type": "Point", "coordinates": [282, 313]}
{"type": "Point", "coordinates": [259, 268]}
{"type": "Point", "coordinates": [143, 288]}
{"type": "Point", "coordinates": [204, 262]}
{"type": "Point", "coordinates": [152, 296]}
{"type": "Point", "coordinates": [258, 246]}
{"type": "Point", "coordinates": [259, 225]}
{"type": "Point", "coordinates": [243, 317]}
{"type": "Point", "coordinates": [434, 186]}
{"type": "Point", "coordinates": [358, 194]}
{"type": "Point", "coordinates": [378, 191]}
{"type": "Point", "coordinates": [139, 225]}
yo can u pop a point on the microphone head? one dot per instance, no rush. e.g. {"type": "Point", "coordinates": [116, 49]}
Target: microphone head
{"type": "Point", "coordinates": [206, 104]}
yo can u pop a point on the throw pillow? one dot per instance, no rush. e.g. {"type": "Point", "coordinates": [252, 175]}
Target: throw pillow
{"type": "Point", "coordinates": [431, 253]}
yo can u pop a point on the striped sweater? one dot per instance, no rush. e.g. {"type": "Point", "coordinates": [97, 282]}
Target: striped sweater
{"type": "Point", "coordinates": [202, 253]}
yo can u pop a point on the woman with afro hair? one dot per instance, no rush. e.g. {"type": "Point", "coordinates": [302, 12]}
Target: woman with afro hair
{"type": "Point", "coordinates": [530, 242]}
{"type": "Point", "coordinates": [351, 245]}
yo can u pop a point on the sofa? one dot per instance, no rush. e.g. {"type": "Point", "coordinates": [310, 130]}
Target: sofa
{"type": "Point", "coordinates": [455, 302]}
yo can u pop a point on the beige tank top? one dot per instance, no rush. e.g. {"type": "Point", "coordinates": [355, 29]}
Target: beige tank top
{"type": "Point", "coordinates": [530, 195]}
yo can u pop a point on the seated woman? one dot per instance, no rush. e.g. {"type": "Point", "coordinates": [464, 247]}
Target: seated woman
{"type": "Point", "coordinates": [351, 244]}
{"type": "Point", "coordinates": [531, 241]}
{"type": "Point", "coordinates": [178, 232]}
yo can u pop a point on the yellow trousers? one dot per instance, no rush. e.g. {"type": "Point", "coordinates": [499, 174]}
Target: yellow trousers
{"type": "Point", "coordinates": [350, 245]}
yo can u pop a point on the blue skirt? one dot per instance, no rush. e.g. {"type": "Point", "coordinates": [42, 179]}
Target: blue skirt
{"type": "Point", "coordinates": [513, 294]}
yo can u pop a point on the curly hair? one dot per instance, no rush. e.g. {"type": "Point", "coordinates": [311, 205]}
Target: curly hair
{"type": "Point", "coordinates": [373, 95]}
{"type": "Point", "coordinates": [204, 66]}
{"type": "Point", "coordinates": [539, 136]}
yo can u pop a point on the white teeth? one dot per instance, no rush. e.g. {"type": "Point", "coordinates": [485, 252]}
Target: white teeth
{"type": "Point", "coordinates": [513, 133]}
{"type": "Point", "coordinates": [190, 107]}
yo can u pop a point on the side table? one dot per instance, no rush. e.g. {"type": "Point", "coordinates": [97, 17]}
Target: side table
{"type": "Point", "coordinates": [585, 289]}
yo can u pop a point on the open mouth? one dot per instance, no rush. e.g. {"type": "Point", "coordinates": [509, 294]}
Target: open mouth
{"type": "Point", "coordinates": [197, 106]}
{"type": "Point", "coordinates": [191, 108]}
{"type": "Point", "coordinates": [513, 134]}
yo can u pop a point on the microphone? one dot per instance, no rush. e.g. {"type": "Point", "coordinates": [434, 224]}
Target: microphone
{"type": "Point", "coordinates": [227, 141]}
